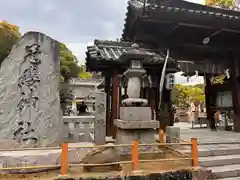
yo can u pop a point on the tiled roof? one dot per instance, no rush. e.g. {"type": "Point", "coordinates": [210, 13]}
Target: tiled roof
{"type": "Point", "coordinates": [217, 12]}
{"type": "Point", "coordinates": [184, 8]}
{"type": "Point", "coordinates": [113, 50]}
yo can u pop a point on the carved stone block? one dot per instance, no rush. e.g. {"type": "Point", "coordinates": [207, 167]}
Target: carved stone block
{"type": "Point", "coordinates": [135, 113]}
{"type": "Point", "coordinates": [123, 124]}
{"type": "Point", "coordinates": [29, 96]}
{"type": "Point", "coordinates": [100, 118]}
{"type": "Point", "coordinates": [173, 135]}
{"type": "Point", "coordinates": [144, 136]}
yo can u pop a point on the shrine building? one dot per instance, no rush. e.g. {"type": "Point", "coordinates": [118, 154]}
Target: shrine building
{"type": "Point", "coordinates": [199, 39]}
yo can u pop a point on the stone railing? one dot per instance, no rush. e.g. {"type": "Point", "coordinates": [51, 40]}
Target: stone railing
{"type": "Point", "coordinates": [89, 127]}
{"type": "Point", "coordinates": [78, 128]}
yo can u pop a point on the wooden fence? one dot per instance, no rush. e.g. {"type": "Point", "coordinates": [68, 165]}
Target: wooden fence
{"type": "Point", "coordinates": [135, 160]}
{"type": "Point", "coordinates": [135, 153]}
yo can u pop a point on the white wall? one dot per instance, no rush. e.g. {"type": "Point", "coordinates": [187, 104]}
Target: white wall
{"type": "Point", "coordinates": [83, 91]}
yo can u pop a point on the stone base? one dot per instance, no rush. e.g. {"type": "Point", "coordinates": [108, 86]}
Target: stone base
{"type": "Point", "coordinates": [173, 135]}
{"type": "Point", "coordinates": [143, 137]}
{"type": "Point", "coordinates": [135, 113]}
{"type": "Point", "coordinates": [123, 124]}
{"type": "Point", "coordinates": [12, 159]}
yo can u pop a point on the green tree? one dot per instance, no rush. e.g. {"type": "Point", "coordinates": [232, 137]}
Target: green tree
{"type": "Point", "coordinates": [9, 35]}
{"type": "Point", "coordinates": [182, 95]}
{"type": "Point", "coordinates": [69, 68]}
{"type": "Point", "coordinates": [84, 74]}
{"type": "Point", "coordinates": [227, 4]}
{"type": "Point", "coordinates": [196, 94]}
{"type": "Point", "coordinates": [68, 63]}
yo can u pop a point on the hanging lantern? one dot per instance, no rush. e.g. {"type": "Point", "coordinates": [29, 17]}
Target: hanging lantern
{"type": "Point", "coordinates": [196, 73]}
{"type": "Point", "coordinates": [227, 73]}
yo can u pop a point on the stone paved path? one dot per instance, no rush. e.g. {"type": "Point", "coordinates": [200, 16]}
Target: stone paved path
{"type": "Point", "coordinates": [206, 136]}
{"type": "Point", "coordinates": [219, 151]}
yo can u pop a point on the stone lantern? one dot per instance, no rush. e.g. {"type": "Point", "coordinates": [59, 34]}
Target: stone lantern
{"type": "Point", "coordinates": [134, 75]}
{"type": "Point", "coordinates": [135, 116]}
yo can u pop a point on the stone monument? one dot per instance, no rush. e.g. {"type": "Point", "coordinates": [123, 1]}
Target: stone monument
{"type": "Point", "coordinates": [100, 119]}
{"type": "Point", "coordinates": [30, 114]}
{"type": "Point", "coordinates": [135, 116]}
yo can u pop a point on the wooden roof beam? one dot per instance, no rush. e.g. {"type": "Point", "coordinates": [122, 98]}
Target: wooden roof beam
{"type": "Point", "coordinates": [191, 25]}
{"type": "Point", "coordinates": [209, 27]}
{"type": "Point", "coordinates": [206, 47]}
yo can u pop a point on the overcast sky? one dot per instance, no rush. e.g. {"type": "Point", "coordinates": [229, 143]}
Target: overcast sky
{"type": "Point", "coordinates": [75, 22]}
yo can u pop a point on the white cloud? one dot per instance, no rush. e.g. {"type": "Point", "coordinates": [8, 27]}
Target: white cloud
{"type": "Point", "coordinates": [71, 24]}
{"type": "Point", "coordinates": [195, 80]}
{"type": "Point", "coordinates": [79, 50]}
{"type": "Point", "coordinates": [197, 1]}
{"type": "Point", "coordinates": [191, 81]}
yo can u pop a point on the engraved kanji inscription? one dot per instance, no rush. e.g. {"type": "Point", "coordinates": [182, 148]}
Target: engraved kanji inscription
{"type": "Point", "coordinates": [27, 85]}
{"type": "Point", "coordinates": [100, 108]}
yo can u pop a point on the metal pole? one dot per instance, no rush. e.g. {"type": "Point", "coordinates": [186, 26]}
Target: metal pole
{"type": "Point", "coordinates": [162, 78]}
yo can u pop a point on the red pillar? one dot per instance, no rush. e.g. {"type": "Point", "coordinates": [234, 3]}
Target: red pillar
{"type": "Point", "coordinates": [108, 107]}
{"type": "Point", "coordinates": [115, 103]}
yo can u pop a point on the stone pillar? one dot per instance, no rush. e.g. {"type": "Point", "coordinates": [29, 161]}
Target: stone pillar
{"type": "Point", "coordinates": [100, 119]}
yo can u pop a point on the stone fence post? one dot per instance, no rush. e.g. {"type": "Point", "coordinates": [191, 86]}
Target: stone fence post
{"type": "Point", "coordinates": [100, 118]}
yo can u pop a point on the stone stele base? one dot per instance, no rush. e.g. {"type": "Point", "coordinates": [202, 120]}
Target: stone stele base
{"type": "Point", "coordinates": [135, 113]}
{"type": "Point", "coordinates": [135, 124]}
{"type": "Point", "coordinates": [26, 158]}
{"type": "Point", "coordinates": [145, 136]}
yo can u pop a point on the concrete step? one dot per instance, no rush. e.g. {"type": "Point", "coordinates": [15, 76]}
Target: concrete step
{"type": "Point", "coordinates": [226, 171]}
{"type": "Point", "coordinates": [219, 160]}
{"type": "Point", "coordinates": [214, 150]}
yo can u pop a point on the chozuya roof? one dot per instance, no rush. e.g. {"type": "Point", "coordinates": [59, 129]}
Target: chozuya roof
{"type": "Point", "coordinates": [114, 50]}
